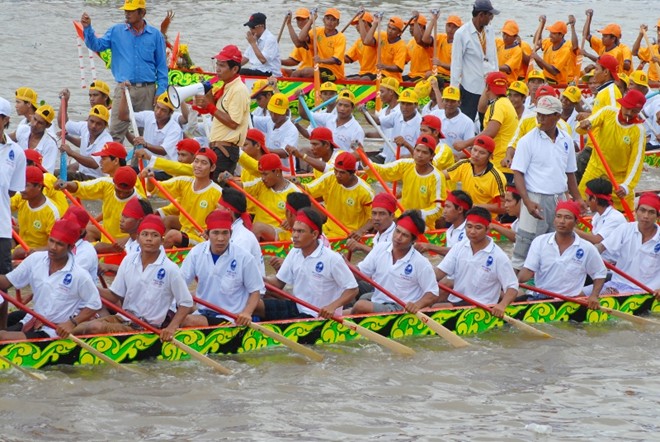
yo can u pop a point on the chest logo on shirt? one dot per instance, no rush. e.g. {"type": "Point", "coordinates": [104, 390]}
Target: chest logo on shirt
{"type": "Point", "coordinates": [203, 204]}
{"type": "Point", "coordinates": [489, 261]}
{"type": "Point", "coordinates": [11, 155]}
{"type": "Point", "coordinates": [281, 205]}
{"type": "Point", "coordinates": [67, 279]}
{"type": "Point", "coordinates": [626, 139]}
{"type": "Point", "coordinates": [37, 224]}
{"type": "Point", "coordinates": [233, 264]}
{"type": "Point", "coordinates": [579, 254]}
{"type": "Point", "coordinates": [160, 275]}
{"type": "Point", "coordinates": [422, 190]}
{"type": "Point", "coordinates": [565, 146]}
{"type": "Point", "coordinates": [460, 236]}
{"type": "Point", "coordinates": [408, 270]}
{"type": "Point", "coordinates": [350, 202]}
{"type": "Point", "coordinates": [656, 249]}
{"type": "Point", "coordinates": [319, 267]}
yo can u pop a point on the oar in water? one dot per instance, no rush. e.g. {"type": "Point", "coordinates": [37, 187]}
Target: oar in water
{"type": "Point", "coordinates": [176, 204]}
{"type": "Point", "coordinates": [75, 339]}
{"type": "Point", "coordinates": [609, 311]}
{"type": "Point", "coordinates": [180, 345]}
{"type": "Point", "coordinates": [25, 371]}
{"type": "Point", "coordinates": [610, 175]}
{"type": "Point", "coordinates": [515, 322]}
{"type": "Point", "coordinates": [394, 346]}
{"type": "Point", "coordinates": [367, 162]}
{"type": "Point", "coordinates": [255, 201]}
{"type": "Point", "coordinates": [431, 323]}
{"type": "Point", "coordinates": [293, 345]}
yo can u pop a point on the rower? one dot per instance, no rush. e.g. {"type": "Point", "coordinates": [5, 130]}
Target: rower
{"type": "Point", "coordinates": [560, 261]}
{"type": "Point", "coordinates": [392, 48]}
{"type": "Point", "coordinates": [444, 156]}
{"type": "Point", "coordinates": [295, 201]}
{"type": "Point", "coordinates": [360, 52]}
{"type": "Point", "coordinates": [512, 210]}
{"type": "Point", "coordinates": [442, 57]}
{"type": "Point", "coordinates": [535, 79]}
{"type": "Point", "coordinates": [399, 268]}
{"type": "Point", "coordinates": [147, 284]}
{"type": "Point", "coordinates": [419, 52]}
{"type": "Point", "coordinates": [35, 136]}
{"type": "Point", "coordinates": [403, 126]}
{"type": "Point", "coordinates": [571, 99]}
{"type": "Point", "coordinates": [322, 154]}
{"type": "Point", "coordinates": [455, 207]}
{"type": "Point", "coordinates": [456, 125]}
{"type": "Point", "coordinates": [610, 44]}
{"type": "Point", "coordinates": [479, 267]}
{"type": "Point", "coordinates": [318, 275]}
{"type": "Point", "coordinates": [26, 104]}
{"type": "Point", "coordinates": [509, 51]}
{"type": "Point", "coordinates": [185, 149]}
{"type": "Point", "coordinates": [301, 57]}
{"type": "Point", "coordinates": [559, 56]}
{"type": "Point", "coordinates": [517, 94]}
{"type": "Point", "coordinates": [227, 275]}
{"type": "Point", "coordinates": [84, 252]}
{"type": "Point", "coordinates": [134, 212]}
{"type": "Point", "coordinates": [649, 54]}
{"type": "Point", "coordinates": [383, 209]}
{"type": "Point", "coordinates": [389, 95]}
{"type": "Point", "coordinates": [33, 158]}
{"type": "Point", "coordinates": [261, 93]}
{"type": "Point", "coordinates": [64, 292]}
{"type": "Point", "coordinates": [280, 131]}
{"type": "Point", "coordinates": [99, 93]}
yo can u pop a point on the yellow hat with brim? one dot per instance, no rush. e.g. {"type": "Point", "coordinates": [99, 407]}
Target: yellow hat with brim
{"type": "Point", "coordinates": [101, 112]}
{"type": "Point", "coordinates": [278, 104]}
{"type": "Point", "coordinates": [451, 93]}
{"type": "Point", "coordinates": [573, 93]}
{"type": "Point", "coordinates": [408, 96]}
{"type": "Point", "coordinates": [132, 5]}
{"type": "Point", "coordinates": [260, 86]}
{"type": "Point", "coordinates": [624, 77]}
{"type": "Point", "coordinates": [101, 86]}
{"type": "Point", "coordinates": [640, 78]}
{"type": "Point", "coordinates": [27, 94]}
{"type": "Point", "coordinates": [586, 77]}
{"type": "Point", "coordinates": [329, 86]}
{"type": "Point", "coordinates": [391, 84]}
{"type": "Point", "coordinates": [46, 112]}
{"type": "Point", "coordinates": [164, 99]}
{"type": "Point", "coordinates": [536, 74]}
{"type": "Point", "coordinates": [520, 87]}
{"type": "Point", "coordinates": [423, 88]}
{"type": "Point", "coordinates": [347, 95]}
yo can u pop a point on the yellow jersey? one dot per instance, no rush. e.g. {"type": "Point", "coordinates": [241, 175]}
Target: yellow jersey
{"type": "Point", "coordinates": [487, 188]}
{"type": "Point", "coordinates": [303, 56]}
{"type": "Point", "coordinates": [274, 200]}
{"type": "Point", "coordinates": [502, 111]}
{"type": "Point", "coordinates": [35, 223]}
{"type": "Point", "coordinates": [444, 157]}
{"type": "Point", "coordinates": [616, 52]}
{"type": "Point", "coordinates": [56, 196]}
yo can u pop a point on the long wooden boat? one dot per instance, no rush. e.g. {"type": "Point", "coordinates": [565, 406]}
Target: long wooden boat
{"type": "Point", "coordinates": [230, 339]}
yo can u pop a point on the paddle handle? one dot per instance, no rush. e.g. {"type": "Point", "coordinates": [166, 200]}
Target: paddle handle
{"type": "Point", "coordinates": [171, 199]}
{"type": "Point", "coordinates": [325, 211]}
{"type": "Point", "coordinates": [640, 284]}
{"type": "Point", "coordinates": [19, 240]}
{"type": "Point", "coordinates": [388, 142]}
{"type": "Point", "coordinates": [255, 201]}
{"type": "Point", "coordinates": [554, 295]}
{"type": "Point", "coordinates": [63, 157]}
{"type": "Point", "coordinates": [317, 69]}
{"type": "Point", "coordinates": [379, 73]}
{"type": "Point", "coordinates": [365, 159]}
{"type": "Point", "coordinates": [310, 116]}
{"type": "Point", "coordinates": [93, 220]}
{"type": "Point", "coordinates": [315, 108]}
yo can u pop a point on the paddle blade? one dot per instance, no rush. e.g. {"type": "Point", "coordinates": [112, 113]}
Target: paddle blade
{"type": "Point", "coordinates": [97, 353]}
{"type": "Point", "coordinates": [25, 371]}
{"type": "Point", "coordinates": [382, 340]}
{"type": "Point", "coordinates": [293, 345]}
{"type": "Point", "coordinates": [526, 327]}
{"type": "Point", "coordinates": [629, 317]}
{"type": "Point", "coordinates": [442, 331]}
{"type": "Point", "coordinates": [201, 358]}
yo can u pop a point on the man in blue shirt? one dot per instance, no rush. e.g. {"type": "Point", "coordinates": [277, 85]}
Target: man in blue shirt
{"type": "Point", "coordinates": [138, 56]}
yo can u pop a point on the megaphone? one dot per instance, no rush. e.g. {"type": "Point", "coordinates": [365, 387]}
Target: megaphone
{"type": "Point", "coordinates": [179, 94]}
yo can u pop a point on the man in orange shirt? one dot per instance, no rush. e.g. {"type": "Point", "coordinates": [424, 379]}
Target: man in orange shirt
{"type": "Point", "coordinates": [509, 51]}
{"type": "Point", "coordinates": [608, 44]}
{"type": "Point", "coordinates": [650, 54]}
{"type": "Point", "coordinates": [302, 57]}
{"type": "Point", "coordinates": [331, 45]}
{"type": "Point", "coordinates": [360, 52]}
{"type": "Point", "coordinates": [419, 54]}
{"type": "Point", "coordinates": [392, 48]}
{"type": "Point", "coordinates": [559, 55]}
{"type": "Point", "coordinates": [442, 57]}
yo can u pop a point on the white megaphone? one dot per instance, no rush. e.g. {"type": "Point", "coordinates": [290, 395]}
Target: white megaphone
{"type": "Point", "coordinates": [178, 94]}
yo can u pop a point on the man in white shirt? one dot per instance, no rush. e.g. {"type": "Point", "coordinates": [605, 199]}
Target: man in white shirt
{"type": "Point", "coordinates": [403, 126]}
{"type": "Point", "coordinates": [383, 208]}
{"type": "Point", "coordinates": [280, 131]}
{"type": "Point", "coordinates": [455, 208]}
{"type": "Point", "coordinates": [262, 57]}
{"type": "Point", "coordinates": [456, 126]}
{"type": "Point", "coordinates": [473, 55]}
{"type": "Point", "coordinates": [35, 136]}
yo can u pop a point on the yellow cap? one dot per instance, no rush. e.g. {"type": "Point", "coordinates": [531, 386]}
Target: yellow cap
{"type": "Point", "coordinates": [329, 86]}
{"type": "Point", "coordinates": [164, 99]}
{"type": "Point", "coordinates": [573, 93]}
{"type": "Point", "coordinates": [640, 78]}
{"type": "Point", "coordinates": [519, 87]}
{"type": "Point", "coordinates": [586, 77]}
{"type": "Point", "coordinates": [624, 77]}
{"type": "Point", "coordinates": [101, 86]}
{"type": "Point", "coordinates": [423, 88]}
{"type": "Point", "coordinates": [408, 96]}
{"type": "Point", "coordinates": [258, 85]}
{"type": "Point", "coordinates": [451, 93]}
{"type": "Point", "coordinates": [391, 84]}
{"type": "Point", "coordinates": [536, 74]}
{"type": "Point", "coordinates": [27, 94]}
{"type": "Point", "coordinates": [101, 112]}
{"type": "Point", "coordinates": [278, 104]}
{"type": "Point", "coordinates": [132, 5]}
{"type": "Point", "coordinates": [347, 95]}
{"type": "Point", "coordinates": [46, 112]}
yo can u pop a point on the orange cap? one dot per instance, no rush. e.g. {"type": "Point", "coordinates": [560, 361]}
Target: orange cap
{"type": "Point", "coordinates": [366, 17]}
{"type": "Point", "coordinates": [558, 26]}
{"type": "Point", "coordinates": [510, 28]}
{"type": "Point", "coordinates": [420, 19]}
{"type": "Point", "coordinates": [612, 29]}
{"type": "Point", "coordinates": [301, 13]}
{"type": "Point", "coordinates": [397, 23]}
{"type": "Point", "coordinates": [333, 12]}
{"type": "Point", "coordinates": [455, 20]}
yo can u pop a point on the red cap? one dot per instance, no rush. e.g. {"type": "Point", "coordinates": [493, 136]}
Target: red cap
{"type": "Point", "coordinates": [650, 199]}
{"type": "Point", "coordinates": [545, 90]}
{"type": "Point", "coordinates": [270, 161]}
{"type": "Point", "coordinates": [229, 53]}
{"type": "Point", "coordinates": [571, 206]}
{"type": "Point", "coordinates": [219, 219]}
{"type": "Point", "coordinates": [258, 137]}
{"type": "Point", "coordinates": [112, 149]}
{"type": "Point", "coordinates": [33, 155]}
{"type": "Point", "coordinates": [610, 63]}
{"type": "Point", "coordinates": [386, 201]}
{"type": "Point", "coordinates": [485, 142]}
{"type": "Point", "coordinates": [152, 222]}
{"type": "Point", "coordinates": [633, 99]}
{"type": "Point", "coordinates": [77, 214]}
{"type": "Point", "coordinates": [428, 141]}
{"type": "Point", "coordinates": [133, 209]}
{"type": "Point", "coordinates": [323, 134]}
{"type": "Point", "coordinates": [189, 145]}
{"type": "Point", "coordinates": [208, 153]}
{"type": "Point", "coordinates": [125, 177]}
{"type": "Point", "coordinates": [346, 161]}
{"type": "Point", "coordinates": [34, 175]}
{"type": "Point", "coordinates": [434, 123]}
{"type": "Point", "coordinates": [65, 231]}
{"type": "Point", "coordinates": [497, 83]}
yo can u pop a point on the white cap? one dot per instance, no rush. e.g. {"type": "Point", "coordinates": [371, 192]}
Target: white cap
{"type": "Point", "coordinates": [5, 107]}
{"type": "Point", "coordinates": [548, 105]}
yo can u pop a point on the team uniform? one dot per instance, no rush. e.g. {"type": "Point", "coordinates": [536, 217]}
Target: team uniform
{"type": "Point", "coordinates": [644, 54]}
{"type": "Point", "coordinates": [458, 127]}
{"type": "Point", "coordinates": [272, 199]}
{"type": "Point", "coordinates": [329, 165]}
{"type": "Point", "coordinates": [397, 126]}
{"type": "Point", "coordinates": [330, 47]}
{"type": "Point", "coordinates": [444, 157]}
{"type": "Point", "coordinates": [419, 58]}
{"type": "Point", "coordinates": [278, 137]}
{"type": "Point", "coordinates": [562, 58]}
{"type": "Point", "coordinates": [343, 135]}
{"type": "Point", "coordinates": [454, 235]}
{"type": "Point", "coordinates": [87, 258]}
{"type": "Point", "coordinates": [166, 137]}
{"type": "Point", "coordinates": [47, 147]}
{"type": "Point", "coordinates": [365, 55]}
{"type": "Point", "coordinates": [12, 179]}
{"type": "Point", "coordinates": [443, 54]}
{"type": "Point", "coordinates": [35, 223]}
{"type": "Point", "coordinates": [79, 129]}
{"type": "Point", "coordinates": [384, 237]}
{"type": "Point", "coordinates": [245, 239]}
{"type": "Point", "coordinates": [487, 188]}
{"type": "Point", "coordinates": [392, 54]}
{"type": "Point", "coordinates": [56, 196]}
{"type": "Point", "coordinates": [303, 56]}
{"type": "Point", "coordinates": [502, 111]}
{"type": "Point", "coordinates": [617, 51]}
{"type": "Point", "coordinates": [512, 57]}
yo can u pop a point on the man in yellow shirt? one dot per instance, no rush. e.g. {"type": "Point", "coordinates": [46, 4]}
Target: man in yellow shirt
{"type": "Point", "coordinates": [509, 51]}
{"type": "Point", "coordinates": [393, 50]}
{"type": "Point", "coordinates": [33, 158]}
{"type": "Point", "coordinates": [559, 55]}
{"type": "Point", "coordinates": [444, 156]}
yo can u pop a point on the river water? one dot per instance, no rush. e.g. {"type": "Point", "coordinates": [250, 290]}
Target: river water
{"type": "Point", "coordinates": [596, 382]}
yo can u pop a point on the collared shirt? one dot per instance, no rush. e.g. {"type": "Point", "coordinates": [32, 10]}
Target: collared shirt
{"type": "Point", "coordinates": [502, 111]}
{"type": "Point", "coordinates": [343, 135]}
{"type": "Point", "coordinates": [166, 137]}
{"type": "Point", "coordinates": [274, 200]}
{"type": "Point", "coordinates": [319, 278]}
{"type": "Point", "coordinates": [386, 236]}
{"type": "Point", "coordinates": [227, 282]}
{"type": "Point", "coordinates": [47, 147]}
{"type": "Point", "coordinates": [236, 102]}
{"type": "Point", "coordinates": [454, 235]}
{"type": "Point", "coordinates": [398, 126]}
{"type": "Point", "coordinates": [87, 258]}
{"type": "Point", "coordinates": [544, 162]}
{"type": "Point", "coordinates": [458, 127]}
{"type": "Point", "coordinates": [409, 278]}
{"type": "Point", "coordinates": [277, 137]}
{"type": "Point", "coordinates": [79, 129]}
{"type": "Point", "coordinates": [12, 179]}
{"type": "Point", "coordinates": [132, 246]}
{"type": "Point", "coordinates": [487, 188]}
{"type": "Point", "coordinates": [136, 58]}
{"type": "Point", "coordinates": [563, 273]}
{"type": "Point", "coordinates": [641, 261]}
{"type": "Point", "coordinates": [35, 222]}
{"type": "Point", "coordinates": [469, 63]}
{"type": "Point", "coordinates": [245, 239]}
{"type": "Point", "coordinates": [149, 292]}
{"type": "Point", "coordinates": [59, 295]}
{"type": "Point", "coordinates": [270, 49]}
{"type": "Point", "coordinates": [481, 275]}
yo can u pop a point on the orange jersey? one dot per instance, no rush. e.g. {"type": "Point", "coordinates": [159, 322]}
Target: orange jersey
{"type": "Point", "coordinates": [616, 52]}
{"type": "Point", "coordinates": [331, 47]}
{"type": "Point", "coordinates": [644, 54]}
{"type": "Point", "coordinates": [419, 58]}
{"type": "Point", "coordinates": [392, 54]}
{"type": "Point", "coordinates": [443, 53]}
{"type": "Point", "coordinates": [562, 58]}
{"type": "Point", "coordinates": [512, 57]}
{"type": "Point", "coordinates": [303, 56]}
{"type": "Point", "coordinates": [527, 51]}
{"type": "Point", "coordinates": [365, 55]}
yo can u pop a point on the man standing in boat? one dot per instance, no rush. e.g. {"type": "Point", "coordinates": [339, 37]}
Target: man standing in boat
{"type": "Point", "coordinates": [138, 56]}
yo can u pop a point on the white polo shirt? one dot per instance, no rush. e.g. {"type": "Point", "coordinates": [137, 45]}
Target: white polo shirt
{"type": "Point", "coordinates": [319, 278]}
{"type": "Point", "coordinates": [270, 49]}
{"type": "Point", "coordinates": [409, 130]}
{"type": "Point", "coordinates": [481, 276]}
{"type": "Point", "coordinates": [228, 282]}
{"type": "Point", "coordinates": [132, 246]}
{"type": "Point", "coordinates": [87, 258]}
{"type": "Point", "coordinates": [605, 224]}
{"type": "Point", "coordinates": [245, 239]}
{"type": "Point", "coordinates": [12, 178]}
{"type": "Point", "coordinates": [469, 62]}
{"type": "Point", "coordinates": [409, 278]}
{"type": "Point", "coordinates": [79, 129]}
{"type": "Point", "coordinates": [342, 135]}
{"type": "Point", "coordinates": [563, 273]}
{"type": "Point", "coordinates": [454, 235]}
{"type": "Point", "coordinates": [386, 236]}
{"type": "Point", "coordinates": [47, 147]}
{"type": "Point", "coordinates": [641, 261]}
{"type": "Point", "coordinates": [545, 163]}
{"type": "Point", "coordinates": [277, 138]}
{"type": "Point", "coordinates": [388, 114]}
{"type": "Point", "coordinates": [458, 127]}
{"type": "Point", "coordinates": [148, 293]}
{"type": "Point", "coordinates": [57, 296]}
{"type": "Point", "coordinates": [167, 137]}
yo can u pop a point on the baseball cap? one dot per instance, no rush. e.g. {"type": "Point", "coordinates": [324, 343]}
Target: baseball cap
{"type": "Point", "coordinates": [347, 95]}
{"type": "Point", "coordinates": [423, 88]}
{"type": "Point", "coordinates": [346, 161]}
{"type": "Point", "coordinates": [366, 17]}
{"type": "Point", "coordinates": [624, 77]}
{"type": "Point", "coordinates": [633, 99]}
{"type": "Point", "coordinates": [27, 94]}
{"type": "Point", "coordinates": [323, 134]}
{"type": "Point", "coordinates": [408, 96]}
{"type": "Point", "coordinates": [270, 161]}
{"type": "Point", "coordinates": [573, 93]}
{"type": "Point", "coordinates": [208, 153]}
{"type": "Point", "coordinates": [485, 142]}
{"type": "Point", "coordinates": [397, 22]}
{"type": "Point", "coordinates": [610, 63]}
{"type": "Point", "coordinates": [101, 112]}
{"type": "Point", "coordinates": [484, 5]}
{"type": "Point", "coordinates": [111, 149]}
{"type": "Point", "coordinates": [301, 13]}
{"type": "Point", "coordinates": [420, 19]}
{"type": "Point", "coordinates": [258, 137]}
{"type": "Point", "coordinates": [451, 93]}
{"type": "Point", "coordinates": [34, 175]}
{"type": "Point", "coordinates": [497, 83]}
{"type": "Point", "coordinates": [535, 73]}
{"type": "Point", "coordinates": [260, 86]}
{"type": "Point", "coordinates": [333, 12]}
{"type": "Point", "coordinates": [329, 86]}
{"type": "Point", "coordinates": [33, 155]}
{"type": "Point", "coordinates": [101, 86]}
{"type": "Point", "coordinates": [611, 29]}
{"type": "Point", "coordinates": [46, 112]}
{"type": "Point", "coordinates": [455, 20]}
{"type": "Point", "coordinates": [189, 145]}
{"type": "Point", "coordinates": [132, 5]}
{"type": "Point", "coordinates": [545, 90]}
{"type": "Point", "coordinates": [511, 28]}
{"type": "Point", "coordinates": [125, 177]}
{"type": "Point", "coordinates": [433, 122]}
{"type": "Point", "coordinates": [558, 26]}
{"type": "Point", "coordinates": [391, 84]}
{"type": "Point", "coordinates": [255, 19]}
{"type": "Point", "coordinates": [5, 107]}
{"type": "Point", "coordinates": [278, 104]}
{"type": "Point", "coordinates": [164, 99]}
{"type": "Point", "coordinates": [640, 78]}
{"type": "Point", "coordinates": [428, 141]}
{"type": "Point", "coordinates": [548, 105]}
{"type": "Point", "coordinates": [520, 87]}
{"type": "Point", "coordinates": [229, 53]}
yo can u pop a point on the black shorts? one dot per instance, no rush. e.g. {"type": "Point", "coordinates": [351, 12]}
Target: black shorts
{"type": "Point", "coordinates": [226, 163]}
{"type": "Point", "coordinates": [213, 318]}
{"type": "Point", "coordinates": [32, 334]}
{"type": "Point", "coordinates": [5, 256]}
{"type": "Point", "coordinates": [282, 309]}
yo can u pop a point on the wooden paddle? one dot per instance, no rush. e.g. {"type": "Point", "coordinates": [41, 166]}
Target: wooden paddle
{"type": "Point", "coordinates": [650, 46]}
{"type": "Point", "coordinates": [365, 159]}
{"type": "Point", "coordinates": [379, 72]}
{"type": "Point", "coordinates": [434, 69]}
{"type": "Point", "coordinates": [371, 121]}
{"type": "Point", "coordinates": [75, 339]}
{"type": "Point", "coordinates": [610, 175]}
{"type": "Point", "coordinates": [609, 311]}
{"type": "Point", "coordinates": [393, 346]}
{"type": "Point", "coordinates": [293, 345]}
{"type": "Point", "coordinates": [178, 344]}
{"type": "Point", "coordinates": [279, 35]}
{"type": "Point", "coordinates": [63, 157]}
{"type": "Point", "coordinates": [92, 219]}
{"type": "Point", "coordinates": [431, 323]}
{"type": "Point", "coordinates": [25, 371]}
{"type": "Point", "coordinates": [515, 322]}
{"type": "Point", "coordinates": [255, 201]}
{"type": "Point", "coordinates": [317, 69]}
{"type": "Point", "coordinates": [176, 204]}
{"type": "Point", "coordinates": [357, 15]}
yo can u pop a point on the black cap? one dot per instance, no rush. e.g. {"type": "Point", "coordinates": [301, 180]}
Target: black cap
{"type": "Point", "coordinates": [484, 5]}
{"type": "Point", "coordinates": [256, 19]}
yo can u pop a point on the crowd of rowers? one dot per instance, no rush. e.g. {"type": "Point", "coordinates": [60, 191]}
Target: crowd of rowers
{"type": "Point", "coordinates": [520, 162]}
